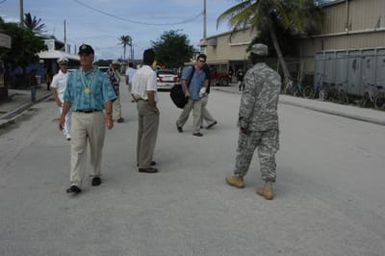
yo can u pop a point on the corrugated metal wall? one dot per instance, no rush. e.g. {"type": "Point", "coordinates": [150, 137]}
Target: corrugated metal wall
{"type": "Point", "coordinates": [354, 15]}
{"type": "Point", "coordinates": [335, 19]}
{"type": "Point", "coordinates": [358, 24]}
{"type": "Point", "coordinates": [354, 71]}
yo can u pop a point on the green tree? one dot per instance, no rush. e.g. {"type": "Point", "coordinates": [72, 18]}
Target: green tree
{"type": "Point", "coordinates": [266, 16]}
{"type": "Point", "coordinates": [33, 24]}
{"type": "Point", "coordinates": [173, 49]}
{"type": "Point", "coordinates": [125, 40]}
{"type": "Point", "coordinates": [25, 46]}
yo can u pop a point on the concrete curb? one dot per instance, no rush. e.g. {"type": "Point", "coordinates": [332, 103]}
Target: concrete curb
{"type": "Point", "coordinates": [322, 110]}
{"type": "Point", "coordinates": [13, 116]}
{"type": "Point", "coordinates": [336, 113]}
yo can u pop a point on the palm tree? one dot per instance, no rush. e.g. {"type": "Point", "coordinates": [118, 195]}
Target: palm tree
{"type": "Point", "coordinates": [299, 16]}
{"type": "Point", "coordinates": [33, 23]}
{"type": "Point", "coordinates": [125, 40]}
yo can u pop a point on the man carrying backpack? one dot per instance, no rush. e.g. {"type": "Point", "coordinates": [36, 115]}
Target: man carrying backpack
{"type": "Point", "coordinates": [194, 84]}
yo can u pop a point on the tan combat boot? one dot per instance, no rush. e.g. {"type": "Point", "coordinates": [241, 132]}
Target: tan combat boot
{"type": "Point", "coordinates": [266, 191]}
{"type": "Point", "coordinates": [235, 181]}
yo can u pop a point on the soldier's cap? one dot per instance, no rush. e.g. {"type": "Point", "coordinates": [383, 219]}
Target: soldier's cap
{"type": "Point", "coordinates": [62, 61]}
{"type": "Point", "coordinates": [115, 62]}
{"type": "Point", "coordinates": [85, 49]}
{"type": "Point", "coordinates": [260, 49]}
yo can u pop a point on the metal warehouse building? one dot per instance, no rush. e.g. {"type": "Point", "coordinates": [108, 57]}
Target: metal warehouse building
{"type": "Point", "coordinates": [349, 25]}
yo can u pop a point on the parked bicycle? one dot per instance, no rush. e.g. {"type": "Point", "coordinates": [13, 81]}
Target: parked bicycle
{"type": "Point", "coordinates": [374, 96]}
{"type": "Point", "coordinates": [333, 92]}
{"type": "Point", "coordinates": [299, 90]}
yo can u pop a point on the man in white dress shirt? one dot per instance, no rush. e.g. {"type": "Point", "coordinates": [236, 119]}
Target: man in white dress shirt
{"type": "Point", "coordinates": [144, 90]}
{"type": "Point", "coordinates": [58, 85]}
{"type": "Point", "coordinates": [130, 72]}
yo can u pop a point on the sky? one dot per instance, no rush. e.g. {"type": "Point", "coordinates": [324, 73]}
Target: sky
{"type": "Point", "coordinates": [100, 23]}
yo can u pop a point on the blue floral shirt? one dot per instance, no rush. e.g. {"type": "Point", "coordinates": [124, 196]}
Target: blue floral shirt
{"type": "Point", "coordinates": [99, 90]}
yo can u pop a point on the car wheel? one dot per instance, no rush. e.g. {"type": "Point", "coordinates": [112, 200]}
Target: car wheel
{"type": "Point", "coordinates": [223, 81]}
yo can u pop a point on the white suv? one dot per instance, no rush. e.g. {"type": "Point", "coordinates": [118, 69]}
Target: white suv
{"type": "Point", "coordinates": [166, 78]}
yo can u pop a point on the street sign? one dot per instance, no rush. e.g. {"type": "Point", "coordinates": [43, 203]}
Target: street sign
{"type": "Point", "coordinates": [5, 41]}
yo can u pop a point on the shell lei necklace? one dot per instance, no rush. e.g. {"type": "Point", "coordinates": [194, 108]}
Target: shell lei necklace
{"type": "Point", "coordinates": [87, 87]}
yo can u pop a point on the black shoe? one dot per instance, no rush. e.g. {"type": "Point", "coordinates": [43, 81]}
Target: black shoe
{"type": "Point", "coordinates": [180, 129]}
{"type": "Point", "coordinates": [120, 120]}
{"type": "Point", "coordinates": [96, 181]}
{"type": "Point", "coordinates": [152, 164]}
{"type": "Point", "coordinates": [211, 125]}
{"type": "Point", "coordinates": [73, 190]}
{"type": "Point", "coordinates": [148, 170]}
{"type": "Point", "coordinates": [198, 134]}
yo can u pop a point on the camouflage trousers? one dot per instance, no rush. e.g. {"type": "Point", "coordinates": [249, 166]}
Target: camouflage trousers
{"type": "Point", "coordinates": [267, 144]}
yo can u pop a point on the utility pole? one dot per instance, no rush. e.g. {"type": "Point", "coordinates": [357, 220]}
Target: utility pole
{"type": "Point", "coordinates": [204, 19]}
{"type": "Point", "coordinates": [21, 13]}
{"type": "Point", "coordinates": [65, 33]}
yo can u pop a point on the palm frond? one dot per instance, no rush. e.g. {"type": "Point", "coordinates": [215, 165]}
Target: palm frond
{"type": "Point", "coordinates": [229, 13]}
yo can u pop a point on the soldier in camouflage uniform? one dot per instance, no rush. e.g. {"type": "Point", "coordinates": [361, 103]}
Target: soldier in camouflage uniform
{"type": "Point", "coordinates": [258, 122]}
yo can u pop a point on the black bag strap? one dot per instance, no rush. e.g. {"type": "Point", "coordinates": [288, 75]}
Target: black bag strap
{"type": "Point", "coordinates": [191, 76]}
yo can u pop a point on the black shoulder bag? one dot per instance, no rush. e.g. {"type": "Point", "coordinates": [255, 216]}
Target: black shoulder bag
{"type": "Point", "coordinates": [177, 94]}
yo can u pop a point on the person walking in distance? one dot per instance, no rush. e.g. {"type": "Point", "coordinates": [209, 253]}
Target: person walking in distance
{"type": "Point", "coordinates": [113, 74]}
{"type": "Point", "coordinates": [240, 76]}
{"type": "Point", "coordinates": [258, 122]}
{"type": "Point", "coordinates": [130, 72]}
{"type": "Point", "coordinates": [144, 90]}
{"type": "Point", "coordinates": [59, 85]}
{"type": "Point", "coordinates": [88, 93]}
{"type": "Point", "coordinates": [194, 83]}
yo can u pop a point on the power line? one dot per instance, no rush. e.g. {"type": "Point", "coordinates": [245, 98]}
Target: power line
{"type": "Point", "coordinates": [138, 22]}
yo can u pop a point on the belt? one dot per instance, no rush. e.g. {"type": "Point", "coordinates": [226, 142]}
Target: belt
{"type": "Point", "coordinates": [140, 99]}
{"type": "Point", "coordinates": [88, 110]}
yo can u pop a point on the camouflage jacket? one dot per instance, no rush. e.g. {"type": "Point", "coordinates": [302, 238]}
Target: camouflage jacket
{"type": "Point", "coordinates": [258, 108]}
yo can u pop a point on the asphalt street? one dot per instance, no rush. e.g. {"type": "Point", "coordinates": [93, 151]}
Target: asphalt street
{"type": "Point", "coordinates": [329, 193]}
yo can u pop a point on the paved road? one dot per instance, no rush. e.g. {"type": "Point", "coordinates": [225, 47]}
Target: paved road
{"type": "Point", "coordinates": [330, 190]}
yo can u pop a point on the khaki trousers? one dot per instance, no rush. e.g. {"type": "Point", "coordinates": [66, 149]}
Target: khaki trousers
{"type": "Point", "coordinates": [86, 127]}
{"type": "Point", "coordinates": [116, 109]}
{"type": "Point", "coordinates": [148, 124]}
{"type": "Point", "coordinates": [196, 106]}
{"type": "Point", "coordinates": [67, 123]}
{"type": "Point", "coordinates": [206, 116]}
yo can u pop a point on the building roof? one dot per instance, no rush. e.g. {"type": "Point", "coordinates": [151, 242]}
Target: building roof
{"type": "Point", "coordinates": [227, 33]}
{"type": "Point", "coordinates": [55, 54]}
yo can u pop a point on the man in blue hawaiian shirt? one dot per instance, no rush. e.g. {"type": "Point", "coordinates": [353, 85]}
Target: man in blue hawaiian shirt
{"type": "Point", "coordinates": [88, 93]}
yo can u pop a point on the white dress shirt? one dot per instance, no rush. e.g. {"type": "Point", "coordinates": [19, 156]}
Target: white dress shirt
{"type": "Point", "coordinates": [144, 80]}
{"type": "Point", "coordinates": [130, 72]}
{"type": "Point", "coordinates": [59, 82]}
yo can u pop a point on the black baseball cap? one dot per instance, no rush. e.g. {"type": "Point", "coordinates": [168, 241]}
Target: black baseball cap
{"type": "Point", "coordinates": [85, 48]}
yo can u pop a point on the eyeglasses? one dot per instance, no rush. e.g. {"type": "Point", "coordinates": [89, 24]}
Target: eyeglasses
{"type": "Point", "coordinates": [203, 61]}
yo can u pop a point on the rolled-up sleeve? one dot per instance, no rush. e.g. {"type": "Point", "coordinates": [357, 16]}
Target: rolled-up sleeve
{"type": "Point", "coordinates": [186, 73]}
{"type": "Point", "coordinates": [68, 93]}
{"type": "Point", "coordinates": [151, 82]}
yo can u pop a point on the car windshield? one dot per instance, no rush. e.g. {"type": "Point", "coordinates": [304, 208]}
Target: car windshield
{"type": "Point", "coordinates": [166, 72]}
